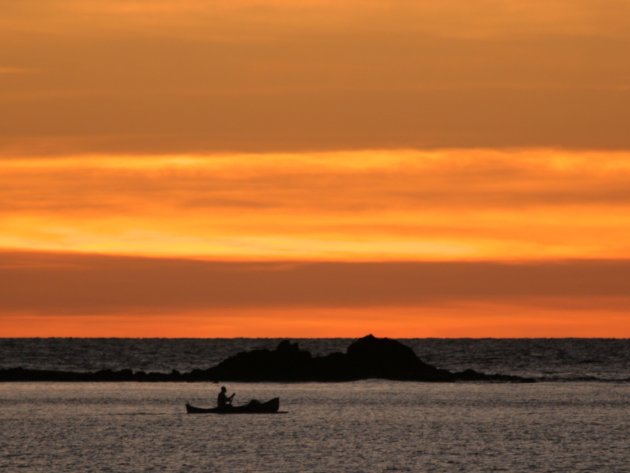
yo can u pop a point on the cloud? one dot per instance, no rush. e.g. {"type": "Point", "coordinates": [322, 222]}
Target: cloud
{"type": "Point", "coordinates": [6, 70]}
{"type": "Point", "coordinates": [482, 18]}
{"type": "Point", "coordinates": [33, 283]}
{"type": "Point", "coordinates": [347, 206]}
{"type": "Point", "coordinates": [193, 76]}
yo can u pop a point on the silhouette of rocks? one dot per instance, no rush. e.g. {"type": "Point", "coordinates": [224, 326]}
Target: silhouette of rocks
{"type": "Point", "coordinates": [368, 357]}
{"type": "Point", "coordinates": [21, 374]}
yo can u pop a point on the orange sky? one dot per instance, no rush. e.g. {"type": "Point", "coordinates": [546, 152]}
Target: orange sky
{"type": "Point", "coordinates": [303, 168]}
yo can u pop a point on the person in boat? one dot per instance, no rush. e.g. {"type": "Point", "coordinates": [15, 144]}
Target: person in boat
{"type": "Point", "coordinates": [223, 400]}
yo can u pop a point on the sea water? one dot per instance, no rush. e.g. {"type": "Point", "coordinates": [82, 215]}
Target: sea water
{"type": "Point", "coordinates": [366, 426]}
{"type": "Point", "coordinates": [575, 419]}
{"type": "Point", "coordinates": [558, 359]}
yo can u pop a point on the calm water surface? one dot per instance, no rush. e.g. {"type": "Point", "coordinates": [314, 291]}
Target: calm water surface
{"type": "Point", "coordinates": [370, 426]}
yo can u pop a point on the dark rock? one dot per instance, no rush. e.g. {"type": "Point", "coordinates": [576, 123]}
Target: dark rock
{"type": "Point", "coordinates": [368, 357]}
{"type": "Point", "coordinates": [373, 357]}
{"type": "Point", "coordinates": [286, 363]}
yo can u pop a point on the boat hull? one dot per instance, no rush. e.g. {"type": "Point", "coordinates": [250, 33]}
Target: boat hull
{"type": "Point", "coordinates": [269, 407]}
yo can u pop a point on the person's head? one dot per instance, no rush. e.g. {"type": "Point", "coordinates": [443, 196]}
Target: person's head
{"type": "Point", "coordinates": [223, 389]}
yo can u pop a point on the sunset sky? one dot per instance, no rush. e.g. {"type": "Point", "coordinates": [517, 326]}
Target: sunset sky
{"type": "Point", "coordinates": [199, 168]}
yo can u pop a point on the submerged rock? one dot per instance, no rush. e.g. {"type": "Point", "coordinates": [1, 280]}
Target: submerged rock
{"type": "Point", "coordinates": [366, 358]}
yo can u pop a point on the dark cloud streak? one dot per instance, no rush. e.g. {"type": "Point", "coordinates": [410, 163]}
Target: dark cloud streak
{"type": "Point", "coordinates": [51, 283]}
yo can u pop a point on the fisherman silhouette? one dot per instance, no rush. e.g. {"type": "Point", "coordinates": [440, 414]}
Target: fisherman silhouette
{"type": "Point", "coordinates": [223, 400]}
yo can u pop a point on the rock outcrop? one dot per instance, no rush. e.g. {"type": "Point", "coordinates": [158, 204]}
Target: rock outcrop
{"type": "Point", "coordinates": [366, 358]}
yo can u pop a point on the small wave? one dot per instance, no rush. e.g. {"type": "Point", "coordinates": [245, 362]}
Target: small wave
{"type": "Point", "coordinates": [581, 379]}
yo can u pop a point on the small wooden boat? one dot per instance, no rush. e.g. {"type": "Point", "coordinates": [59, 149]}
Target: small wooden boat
{"type": "Point", "coordinates": [253, 407]}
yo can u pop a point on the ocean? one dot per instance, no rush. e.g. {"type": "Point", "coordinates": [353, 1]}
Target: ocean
{"type": "Point", "coordinates": [576, 418]}
{"type": "Point", "coordinates": [546, 359]}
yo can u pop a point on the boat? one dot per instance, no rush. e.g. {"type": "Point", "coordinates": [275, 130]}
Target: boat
{"type": "Point", "coordinates": [253, 407]}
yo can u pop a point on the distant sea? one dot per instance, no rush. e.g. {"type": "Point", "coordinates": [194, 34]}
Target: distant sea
{"type": "Point", "coordinates": [545, 359]}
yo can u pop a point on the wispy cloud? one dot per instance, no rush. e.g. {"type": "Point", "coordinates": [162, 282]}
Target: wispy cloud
{"type": "Point", "coordinates": [374, 205]}
{"type": "Point", "coordinates": [113, 296]}
{"type": "Point", "coordinates": [7, 70]}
